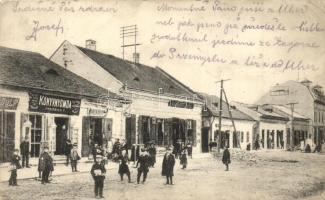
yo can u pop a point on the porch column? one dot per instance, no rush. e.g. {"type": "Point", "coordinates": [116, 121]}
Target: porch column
{"type": "Point", "coordinates": [51, 135]}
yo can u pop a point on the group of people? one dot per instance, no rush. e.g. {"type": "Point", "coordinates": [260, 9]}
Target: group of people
{"type": "Point", "coordinates": [145, 159]}
{"type": "Point", "coordinates": [45, 164]}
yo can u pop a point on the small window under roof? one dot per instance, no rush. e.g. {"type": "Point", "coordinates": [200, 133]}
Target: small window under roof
{"type": "Point", "coordinates": [136, 78]}
{"type": "Point", "coordinates": [52, 71]}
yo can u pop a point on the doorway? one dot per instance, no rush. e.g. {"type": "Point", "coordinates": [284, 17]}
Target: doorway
{"type": "Point", "coordinates": [62, 125]}
{"type": "Point", "coordinates": [205, 139]}
{"type": "Point", "coordinates": [96, 127]}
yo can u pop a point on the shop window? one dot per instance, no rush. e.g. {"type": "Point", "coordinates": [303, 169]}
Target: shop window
{"type": "Point", "coordinates": [36, 134]}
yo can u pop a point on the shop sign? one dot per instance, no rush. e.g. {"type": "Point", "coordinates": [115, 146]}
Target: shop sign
{"type": "Point", "coordinates": [8, 103]}
{"type": "Point", "coordinates": [53, 104]}
{"type": "Point", "coordinates": [97, 112]}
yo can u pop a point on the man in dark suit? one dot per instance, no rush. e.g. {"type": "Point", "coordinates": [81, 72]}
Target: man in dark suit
{"type": "Point", "coordinates": [24, 151]}
{"type": "Point", "coordinates": [47, 161]}
{"type": "Point", "coordinates": [168, 166]}
{"type": "Point", "coordinates": [143, 165]}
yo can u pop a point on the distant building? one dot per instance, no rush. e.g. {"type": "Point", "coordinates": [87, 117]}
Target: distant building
{"type": "Point", "coordinates": [299, 123]}
{"type": "Point", "coordinates": [270, 128]}
{"type": "Point", "coordinates": [163, 110]}
{"type": "Point", "coordinates": [244, 125]}
{"type": "Point", "coordinates": [46, 103]}
{"type": "Point", "coordinates": [310, 101]}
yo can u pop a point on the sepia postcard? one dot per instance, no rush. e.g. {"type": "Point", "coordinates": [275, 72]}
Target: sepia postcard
{"type": "Point", "coordinates": [162, 99]}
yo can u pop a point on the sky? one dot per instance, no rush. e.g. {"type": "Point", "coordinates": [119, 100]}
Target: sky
{"type": "Point", "coordinates": [245, 84]}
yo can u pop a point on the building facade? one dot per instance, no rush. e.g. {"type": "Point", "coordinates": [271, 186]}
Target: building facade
{"type": "Point", "coordinates": [48, 105]}
{"type": "Point", "coordinates": [270, 130]}
{"type": "Point", "coordinates": [305, 98]}
{"type": "Point", "coordinates": [163, 110]}
{"type": "Point", "coordinates": [244, 124]}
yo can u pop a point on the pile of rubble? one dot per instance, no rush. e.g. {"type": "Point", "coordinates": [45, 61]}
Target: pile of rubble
{"type": "Point", "coordinates": [244, 156]}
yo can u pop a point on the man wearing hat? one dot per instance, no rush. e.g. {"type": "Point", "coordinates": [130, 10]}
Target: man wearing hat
{"type": "Point", "coordinates": [143, 165]}
{"type": "Point", "coordinates": [24, 151]}
{"type": "Point", "coordinates": [74, 156]}
{"type": "Point", "coordinates": [47, 163]}
{"type": "Point", "coordinates": [98, 173]}
{"type": "Point", "coordinates": [168, 166]}
{"type": "Point", "coordinates": [67, 150]}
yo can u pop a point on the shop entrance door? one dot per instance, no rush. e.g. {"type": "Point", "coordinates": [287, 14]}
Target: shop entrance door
{"type": "Point", "coordinates": [96, 127]}
{"type": "Point", "coordinates": [130, 130]}
{"type": "Point", "coordinates": [205, 140]}
{"type": "Point", "coordinates": [7, 135]}
{"type": "Point", "coordinates": [62, 125]}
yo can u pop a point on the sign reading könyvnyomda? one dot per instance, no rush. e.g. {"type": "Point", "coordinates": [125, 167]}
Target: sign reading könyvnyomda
{"type": "Point", "coordinates": [8, 103]}
{"type": "Point", "coordinates": [53, 104]}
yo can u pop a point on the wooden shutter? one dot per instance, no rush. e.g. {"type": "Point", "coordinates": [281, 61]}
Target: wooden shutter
{"type": "Point", "coordinates": [140, 131]}
{"type": "Point", "coordinates": [107, 125]}
{"type": "Point", "coordinates": [9, 119]}
{"type": "Point", "coordinates": [194, 132]}
{"type": "Point", "coordinates": [133, 129]}
{"type": "Point", "coordinates": [85, 148]}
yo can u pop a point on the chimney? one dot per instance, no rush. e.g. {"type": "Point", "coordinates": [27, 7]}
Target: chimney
{"type": "Point", "coordinates": [91, 44]}
{"type": "Point", "coordinates": [136, 57]}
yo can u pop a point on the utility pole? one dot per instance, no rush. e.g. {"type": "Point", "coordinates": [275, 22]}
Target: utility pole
{"type": "Point", "coordinates": [222, 91]}
{"type": "Point", "coordinates": [126, 32]}
{"type": "Point", "coordinates": [292, 107]}
{"type": "Point", "coordinates": [220, 115]}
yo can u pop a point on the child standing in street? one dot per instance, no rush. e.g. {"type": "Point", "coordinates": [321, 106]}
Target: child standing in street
{"type": "Point", "coordinates": [98, 173]}
{"type": "Point", "coordinates": [226, 158]}
{"type": "Point", "coordinates": [14, 165]}
{"type": "Point", "coordinates": [183, 159]}
{"type": "Point", "coordinates": [124, 168]}
{"type": "Point", "coordinates": [168, 166]}
{"type": "Point", "coordinates": [74, 157]}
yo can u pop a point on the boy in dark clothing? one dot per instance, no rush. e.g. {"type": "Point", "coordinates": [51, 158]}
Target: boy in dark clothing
{"type": "Point", "coordinates": [226, 158]}
{"type": "Point", "coordinates": [47, 164]}
{"type": "Point", "coordinates": [152, 152]}
{"type": "Point", "coordinates": [183, 159]}
{"type": "Point", "coordinates": [67, 150]}
{"type": "Point", "coordinates": [74, 156]}
{"type": "Point", "coordinates": [123, 167]}
{"type": "Point", "coordinates": [143, 160]}
{"type": "Point", "coordinates": [24, 151]}
{"type": "Point", "coordinates": [14, 165]}
{"type": "Point", "coordinates": [98, 173]}
{"type": "Point", "coordinates": [168, 166]}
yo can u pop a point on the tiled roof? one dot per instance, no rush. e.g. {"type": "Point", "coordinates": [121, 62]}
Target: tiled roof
{"type": "Point", "coordinates": [257, 112]}
{"type": "Point", "coordinates": [212, 103]}
{"type": "Point", "coordinates": [287, 112]}
{"type": "Point", "coordinates": [32, 70]}
{"type": "Point", "coordinates": [138, 76]}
